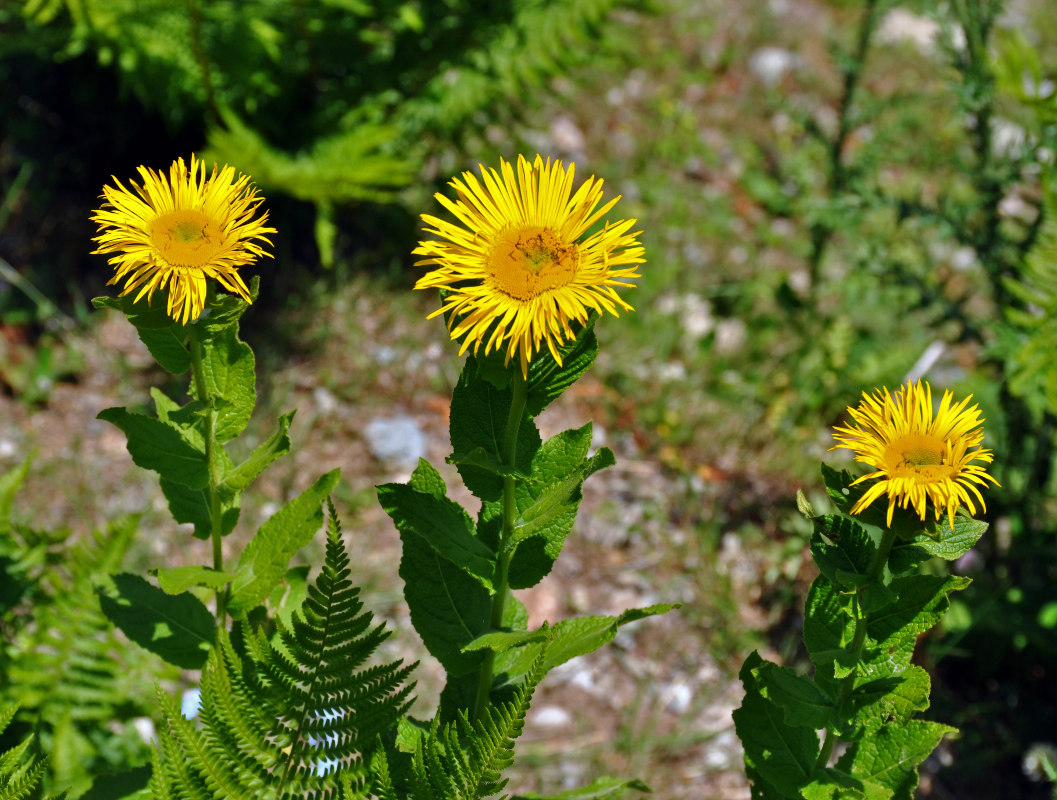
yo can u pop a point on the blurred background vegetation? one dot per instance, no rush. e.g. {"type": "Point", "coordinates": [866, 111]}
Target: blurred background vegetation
{"type": "Point", "coordinates": [834, 196]}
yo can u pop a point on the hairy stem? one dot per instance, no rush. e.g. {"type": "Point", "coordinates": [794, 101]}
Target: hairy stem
{"type": "Point", "coordinates": [215, 528]}
{"type": "Point", "coordinates": [847, 685]}
{"type": "Point", "coordinates": [502, 582]}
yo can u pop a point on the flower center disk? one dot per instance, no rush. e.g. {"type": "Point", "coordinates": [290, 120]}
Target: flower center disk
{"type": "Point", "coordinates": [527, 261]}
{"type": "Point", "coordinates": [186, 238]}
{"type": "Point", "coordinates": [922, 456]}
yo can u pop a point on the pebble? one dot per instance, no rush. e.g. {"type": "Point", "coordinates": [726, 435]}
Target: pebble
{"type": "Point", "coordinates": [397, 440]}
{"type": "Point", "coordinates": [771, 64]}
{"type": "Point", "coordinates": [551, 717]}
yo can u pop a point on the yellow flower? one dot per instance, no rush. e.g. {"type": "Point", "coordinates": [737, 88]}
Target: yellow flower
{"type": "Point", "coordinates": [180, 230]}
{"type": "Point", "coordinates": [916, 456]}
{"type": "Point", "coordinates": [517, 265]}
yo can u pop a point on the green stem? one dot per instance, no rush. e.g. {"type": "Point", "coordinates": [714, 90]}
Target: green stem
{"type": "Point", "coordinates": [502, 582]}
{"type": "Point", "coordinates": [847, 685]}
{"type": "Point", "coordinates": [215, 527]}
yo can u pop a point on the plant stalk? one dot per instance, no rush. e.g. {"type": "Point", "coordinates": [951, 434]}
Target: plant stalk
{"type": "Point", "coordinates": [847, 685]}
{"type": "Point", "coordinates": [519, 389]}
{"type": "Point", "coordinates": [215, 526]}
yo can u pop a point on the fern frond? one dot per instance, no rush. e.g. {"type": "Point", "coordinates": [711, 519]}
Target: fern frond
{"type": "Point", "coordinates": [465, 760]}
{"type": "Point", "coordinates": [19, 776]}
{"type": "Point", "coordinates": [278, 714]}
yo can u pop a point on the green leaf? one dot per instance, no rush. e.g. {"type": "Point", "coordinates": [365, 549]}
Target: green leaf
{"type": "Point", "coordinates": [888, 700]}
{"type": "Point", "coordinates": [449, 608]}
{"type": "Point", "coordinates": [160, 446]}
{"type": "Point", "coordinates": [890, 756]}
{"type": "Point", "coordinates": [176, 580]}
{"type": "Point", "coordinates": [598, 789]}
{"type": "Point", "coordinates": [167, 347]}
{"type": "Point", "coordinates": [265, 560]}
{"type": "Point", "coordinates": [178, 628]}
{"type": "Point", "coordinates": [779, 758]}
{"type": "Point", "coordinates": [834, 784]}
{"type": "Point", "coordinates": [141, 313]}
{"type": "Point", "coordinates": [228, 372]}
{"type": "Point", "coordinates": [547, 503]}
{"type": "Point", "coordinates": [801, 700]}
{"type": "Point", "coordinates": [547, 380]}
{"type": "Point", "coordinates": [921, 601]}
{"type": "Point", "coordinates": [829, 627]}
{"type": "Point", "coordinates": [564, 641]}
{"type": "Point", "coordinates": [479, 414]}
{"type": "Point", "coordinates": [191, 506]}
{"type": "Point", "coordinates": [10, 482]}
{"type": "Point", "coordinates": [278, 444]}
{"type": "Point", "coordinates": [842, 549]}
{"type": "Point", "coordinates": [944, 542]}
{"type": "Point", "coordinates": [441, 525]}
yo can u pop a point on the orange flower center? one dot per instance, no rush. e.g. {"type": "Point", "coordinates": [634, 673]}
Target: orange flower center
{"type": "Point", "coordinates": [186, 238]}
{"type": "Point", "coordinates": [526, 261]}
{"type": "Point", "coordinates": [918, 456]}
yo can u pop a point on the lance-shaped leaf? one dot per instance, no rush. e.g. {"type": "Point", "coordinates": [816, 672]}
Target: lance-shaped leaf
{"type": "Point", "coordinates": [449, 607]}
{"type": "Point", "coordinates": [160, 446]}
{"type": "Point", "coordinates": [479, 413]}
{"type": "Point", "coordinates": [888, 700]}
{"type": "Point", "coordinates": [229, 376]}
{"type": "Point", "coordinates": [921, 601]}
{"type": "Point", "coordinates": [440, 524]}
{"type": "Point", "coordinates": [547, 503]}
{"type": "Point", "coordinates": [563, 641]}
{"type": "Point", "coordinates": [278, 444]}
{"type": "Point", "coordinates": [779, 758]}
{"type": "Point", "coordinates": [264, 561]}
{"type": "Point", "coordinates": [178, 628]}
{"type": "Point", "coordinates": [890, 757]}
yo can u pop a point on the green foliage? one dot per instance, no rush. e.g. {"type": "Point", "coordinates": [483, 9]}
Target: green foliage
{"type": "Point", "coordinates": [75, 681]}
{"type": "Point", "coordinates": [281, 714]}
{"type": "Point", "coordinates": [19, 776]}
{"type": "Point", "coordinates": [863, 617]}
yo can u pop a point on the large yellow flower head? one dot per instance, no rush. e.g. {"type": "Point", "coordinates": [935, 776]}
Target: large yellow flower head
{"type": "Point", "coordinates": [918, 457]}
{"type": "Point", "coordinates": [176, 231]}
{"type": "Point", "coordinates": [518, 265]}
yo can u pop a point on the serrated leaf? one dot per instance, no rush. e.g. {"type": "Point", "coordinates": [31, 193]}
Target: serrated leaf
{"type": "Point", "coordinates": [167, 347]}
{"type": "Point", "coordinates": [178, 628]}
{"type": "Point", "coordinates": [829, 627]}
{"type": "Point", "coordinates": [781, 755]}
{"type": "Point", "coordinates": [277, 445]}
{"type": "Point", "coordinates": [160, 446]}
{"type": "Point", "coordinates": [479, 414]}
{"type": "Point", "coordinates": [177, 580]}
{"type": "Point", "coordinates": [548, 501]}
{"type": "Point", "coordinates": [888, 700]}
{"type": "Point", "coordinates": [842, 549]}
{"type": "Point", "coordinates": [228, 371]}
{"type": "Point", "coordinates": [442, 525]}
{"type": "Point", "coordinates": [891, 755]}
{"type": "Point", "coordinates": [921, 601]}
{"type": "Point", "coordinates": [564, 641]}
{"type": "Point", "coordinates": [837, 785]}
{"type": "Point", "coordinates": [801, 700]}
{"type": "Point", "coordinates": [265, 560]}
{"type": "Point", "coordinates": [547, 381]}
{"type": "Point", "coordinates": [946, 543]}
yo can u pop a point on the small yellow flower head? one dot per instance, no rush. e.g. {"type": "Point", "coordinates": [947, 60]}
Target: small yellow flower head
{"type": "Point", "coordinates": [176, 231]}
{"type": "Point", "coordinates": [518, 265]}
{"type": "Point", "coordinates": [918, 457]}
